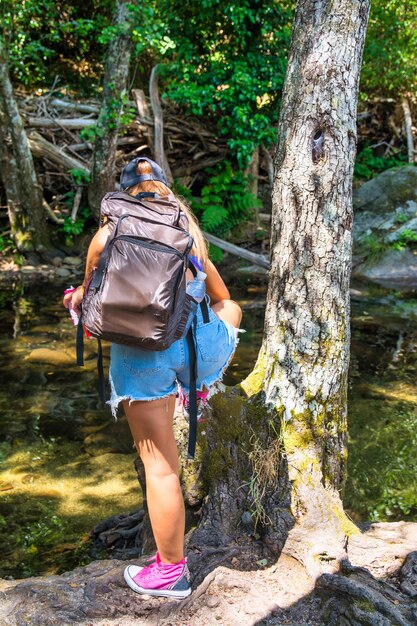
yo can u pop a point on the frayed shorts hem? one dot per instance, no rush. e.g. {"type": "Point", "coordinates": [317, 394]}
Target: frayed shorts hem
{"type": "Point", "coordinates": [114, 404]}
{"type": "Point", "coordinates": [115, 400]}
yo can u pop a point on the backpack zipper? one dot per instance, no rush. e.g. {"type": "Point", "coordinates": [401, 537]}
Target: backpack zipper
{"type": "Point", "coordinates": [148, 219]}
{"type": "Point", "coordinates": [152, 246]}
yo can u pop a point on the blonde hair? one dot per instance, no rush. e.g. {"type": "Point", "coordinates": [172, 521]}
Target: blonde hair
{"type": "Point", "coordinates": [199, 248]}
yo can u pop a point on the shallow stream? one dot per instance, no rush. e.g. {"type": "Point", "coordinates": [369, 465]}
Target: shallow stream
{"type": "Point", "coordinates": [64, 468]}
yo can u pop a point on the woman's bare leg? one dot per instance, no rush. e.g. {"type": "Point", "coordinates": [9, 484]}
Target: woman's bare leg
{"type": "Point", "coordinates": [228, 311]}
{"type": "Point", "coordinates": [151, 427]}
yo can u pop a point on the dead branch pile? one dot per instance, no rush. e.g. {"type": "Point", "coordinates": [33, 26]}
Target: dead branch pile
{"type": "Point", "coordinates": [386, 125]}
{"type": "Point", "coordinates": [60, 133]}
{"type": "Point", "coordinates": [61, 140]}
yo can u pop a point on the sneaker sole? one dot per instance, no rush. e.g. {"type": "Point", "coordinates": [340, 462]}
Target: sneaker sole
{"type": "Point", "coordinates": [166, 593]}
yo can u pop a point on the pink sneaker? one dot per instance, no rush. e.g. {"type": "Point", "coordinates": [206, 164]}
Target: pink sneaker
{"type": "Point", "coordinates": [160, 579]}
{"type": "Point", "coordinates": [183, 399]}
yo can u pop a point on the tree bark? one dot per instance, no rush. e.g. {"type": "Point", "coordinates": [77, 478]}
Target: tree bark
{"type": "Point", "coordinates": [408, 129]}
{"type": "Point", "coordinates": [115, 87]}
{"type": "Point", "coordinates": [303, 363]}
{"type": "Point", "coordinates": [17, 171]}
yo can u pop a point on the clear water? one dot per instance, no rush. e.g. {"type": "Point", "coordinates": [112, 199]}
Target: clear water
{"type": "Point", "coordinates": [66, 466]}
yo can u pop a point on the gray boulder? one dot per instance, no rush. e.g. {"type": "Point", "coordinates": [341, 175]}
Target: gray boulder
{"type": "Point", "coordinates": [385, 229]}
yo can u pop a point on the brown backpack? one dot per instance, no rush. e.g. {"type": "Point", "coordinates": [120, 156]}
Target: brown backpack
{"type": "Point", "coordinates": [137, 294]}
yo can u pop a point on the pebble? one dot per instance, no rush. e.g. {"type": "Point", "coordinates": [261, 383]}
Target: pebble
{"type": "Point", "coordinates": [212, 602]}
{"type": "Point", "coordinates": [57, 261]}
{"type": "Point", "coordinates": [63, 272]}
{"type": "Point", "coordinates": [72, 260]}
{"type": "Point", "coordinates": [26, 269]}
{"type": "Point", "coordinates": [246, 518]}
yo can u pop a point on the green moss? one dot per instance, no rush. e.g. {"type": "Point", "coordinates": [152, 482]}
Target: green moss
{"type": "Point", "coordinates": [254, 383]}
{"type": "Point", "coordinates": [365, 606]}
{"type": "Point", "coordinates": [295, 440]}
{"type": "Point", "coordinates": [349, 528]}
{"type": "Point", "coordinates": [227, 426]}
{"type": "Point", "coordinates": [235, 419]}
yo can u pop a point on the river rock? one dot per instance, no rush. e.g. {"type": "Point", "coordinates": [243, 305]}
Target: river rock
{"type": "Point", "coordinates": [385, 224]}
{"type": "Point", "coordinates": [395, 269]}
{"type": "Point", "coordinates": [63, 272]}
{"type": "Point", "coordinates": [114, 436]}
{"type": "Point", "coordinates": [74, 261]}
{"type": "Point", "coordinates": [52, 357]}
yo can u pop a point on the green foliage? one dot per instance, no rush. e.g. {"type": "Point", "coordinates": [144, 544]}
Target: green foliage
{"type": "Point", "coordinates": [225, 201]}
{"type": "Point", "coordinates": [390, 55]}
{"type": "Point", "coordinates": [81, 177]}
{"type": "Point", "coordinates": [229, 64]}
{"type": "Point", "coordinates": [367, 165]}
{"type": "Point", "coordinates": [402, 218]}
{"type": "Point", "coordinates": [6, 244]}
{"type": "Point", "coordinates": [406, 237]}
{"type": "Point", "coordinates": [72, 228]}
{"type": "Point", "coordinates": [48, 40]}
{"type": "Point", "coordinates": [215, 253]}
{"type": "Point", "coordinates": [372, 247]}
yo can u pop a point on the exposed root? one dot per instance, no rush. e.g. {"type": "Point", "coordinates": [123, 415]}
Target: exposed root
{"type": "Point", "coordinates": [384, 593]}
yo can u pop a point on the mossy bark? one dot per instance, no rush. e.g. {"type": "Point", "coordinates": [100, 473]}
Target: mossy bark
{"type": "Point", "coordinates": [23, 192]}
{"type": "Point", "coordinates": [114, 101]}
{"type": "Point", "coordinates": [305, 353]}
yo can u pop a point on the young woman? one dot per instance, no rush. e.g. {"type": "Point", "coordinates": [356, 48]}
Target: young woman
{"type": "Point", "coordinates": [146, 384]}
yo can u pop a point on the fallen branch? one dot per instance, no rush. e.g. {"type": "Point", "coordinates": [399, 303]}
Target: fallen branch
{"type": "Point", "coordinates": [408, 129]}
{"type": "Point", "coordinates": [186, 170]}
{"type": "Point", "coordinates": [75, 106]}
{"type": "Point", "coordinates": [51, 214]}
{"type": "Point", "coordinates": [50, 122]}
{"type": "Point", "coordinates": [253, 257]}
{"type": "Point", "coordinates": [76, 203]}
{"type": "Point", "coordinates": [144, 114]}
{"type": "Point", "coordinates": [158, 143]}
{"type": "Point", "coordinates": [42, 148]}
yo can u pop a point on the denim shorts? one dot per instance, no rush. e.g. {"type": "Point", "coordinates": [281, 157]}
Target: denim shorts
{"type": "Point", "coordinates": [137, 374]}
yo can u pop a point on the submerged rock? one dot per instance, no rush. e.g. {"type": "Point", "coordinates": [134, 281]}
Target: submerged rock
{"type": "Point", "coordinates": [52, 357]}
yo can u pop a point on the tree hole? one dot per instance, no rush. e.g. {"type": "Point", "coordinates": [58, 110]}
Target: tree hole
{"type": "Point", "coordinates": [317, 148]}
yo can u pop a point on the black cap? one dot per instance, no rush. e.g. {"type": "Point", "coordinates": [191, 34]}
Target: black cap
{"type": "Point", "coordinates": [129, 177]}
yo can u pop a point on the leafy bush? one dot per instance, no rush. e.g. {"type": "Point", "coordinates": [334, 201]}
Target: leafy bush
{"type": "Point", "coordinates": [367, 165]}
{"type": "Point", "coordinates": [390, 54]}
{"type": "Point", "coordinates": [225, 201]}
{"type": "Point", "coordinates": [229, 63]}
{"type": "Point", "coordinates": [406, 237]}
{"type": "Point", "coordinates": [55, 40]}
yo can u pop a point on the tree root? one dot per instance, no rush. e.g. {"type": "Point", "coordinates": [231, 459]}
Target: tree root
{"type": "Point", "coordinates": [384, 593]}
{"type": "Point", "coordinates": [120, 535]}
{"type": "Point", "coordinates": [361, 588]}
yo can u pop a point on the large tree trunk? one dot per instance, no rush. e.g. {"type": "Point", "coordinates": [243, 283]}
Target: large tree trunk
{"type": "Point", "coordinates": [24, 195]}
{"type": "Point", "coordinates": [114, 92]}
{"type": "Point", "coordinates": [299, 451]}
{"type": "Point", "coordinates": [303, 364]}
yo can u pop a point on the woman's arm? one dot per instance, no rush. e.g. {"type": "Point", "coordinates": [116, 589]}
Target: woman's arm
{"type": "Point", "coordinates": [95, 249]}
{"type": "Point", "coordinates": [215, 286]}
